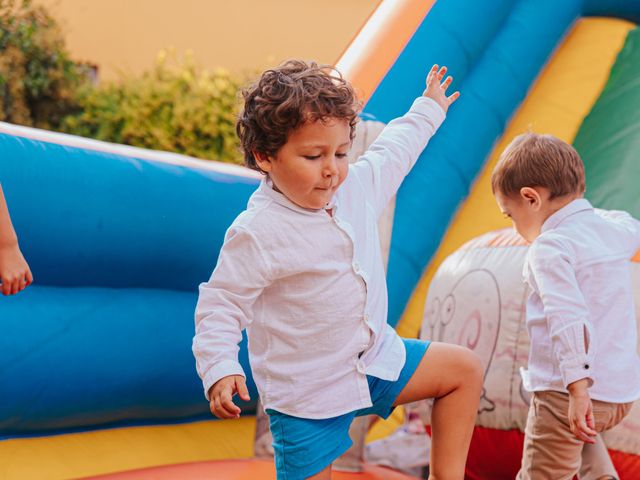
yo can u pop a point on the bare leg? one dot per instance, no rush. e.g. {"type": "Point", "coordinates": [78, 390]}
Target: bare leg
{"type": "Point", "coordinates": [452, 375]}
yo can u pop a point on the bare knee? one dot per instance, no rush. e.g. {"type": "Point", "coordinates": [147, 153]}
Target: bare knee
{"type": "Point", "coordinates": [471, 369]}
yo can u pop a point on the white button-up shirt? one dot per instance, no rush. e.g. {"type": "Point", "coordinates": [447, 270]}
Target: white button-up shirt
{"type": "Point", "coordinates": [580, 313]}
{"type": "Point", "coordinates": [310, 287]}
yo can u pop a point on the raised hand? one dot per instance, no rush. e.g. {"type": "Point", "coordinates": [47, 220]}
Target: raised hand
{"type": "Point", "coordinates": [437, 89]}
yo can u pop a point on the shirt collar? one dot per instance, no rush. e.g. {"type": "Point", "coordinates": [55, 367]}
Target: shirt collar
{"type": "Point", "coordinates": [266, 188]}
{"type": "Point", "coordinates": [575, 206]}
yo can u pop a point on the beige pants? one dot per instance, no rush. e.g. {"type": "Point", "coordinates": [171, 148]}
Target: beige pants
{"type": "Point", "coordinates": [552, 452]}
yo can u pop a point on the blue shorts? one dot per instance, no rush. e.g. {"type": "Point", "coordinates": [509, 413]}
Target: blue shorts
{"type": "Point", "coordinates": [304, 447]}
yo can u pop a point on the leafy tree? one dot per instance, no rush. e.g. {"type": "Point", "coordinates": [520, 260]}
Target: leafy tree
{"type": "Point", "coordinates": [176, 106]}
{"type": "Point", "coordinates": [37, 77]}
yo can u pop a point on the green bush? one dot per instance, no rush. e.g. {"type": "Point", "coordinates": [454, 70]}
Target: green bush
{"type": "Point", "coordinates": [176, 106]}
{"type": "Point", "coordinates": [37, 77]}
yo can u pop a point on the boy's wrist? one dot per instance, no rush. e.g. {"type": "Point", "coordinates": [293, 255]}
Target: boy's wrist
{"type": "Point", "coordinates": [579, 387]}
{"type": "Point", "coordinates": [8, 236]}
{"type": "Point", "coordinates": [9, 243]}
{"type": "Point", "coordinates": [428, 107]}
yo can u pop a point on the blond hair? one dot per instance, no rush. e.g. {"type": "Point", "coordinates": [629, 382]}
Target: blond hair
{"type": "Point", "coordinates": [533, 160]}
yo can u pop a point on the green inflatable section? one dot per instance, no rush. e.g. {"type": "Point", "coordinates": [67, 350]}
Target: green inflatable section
{"type": "Point", "coordinates": [609, 137]}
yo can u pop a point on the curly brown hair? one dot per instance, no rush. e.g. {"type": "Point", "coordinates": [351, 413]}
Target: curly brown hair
{"type": "Point", "coordinates": [286, 97]}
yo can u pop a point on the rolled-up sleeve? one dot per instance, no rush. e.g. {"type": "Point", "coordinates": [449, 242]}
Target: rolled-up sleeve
{"type": "Point", "coordinates": [225, 305]}
{"type": "Point", "coordinates": [569, 324]}
{"type": "Point", "coordinates": [392, 155]}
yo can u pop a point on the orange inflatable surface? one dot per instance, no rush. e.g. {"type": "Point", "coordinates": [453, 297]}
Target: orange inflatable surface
{"type": "Point", "coordinates": [252, 469]}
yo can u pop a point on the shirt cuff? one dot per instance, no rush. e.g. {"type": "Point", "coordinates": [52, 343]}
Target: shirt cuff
{"type": "Point", "coordinates": [220, 370]}
{"type": "Point", "coordinates": [577, 370]}
{"type": "Point", "coordinates": [429, 108]}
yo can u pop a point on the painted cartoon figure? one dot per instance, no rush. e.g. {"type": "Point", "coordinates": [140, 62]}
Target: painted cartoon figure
{"type": "Point", "coordinates": [474, 302]}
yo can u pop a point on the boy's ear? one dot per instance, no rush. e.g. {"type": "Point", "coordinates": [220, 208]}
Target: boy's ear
{"type": "Point", "coordinates": [263, 161]}
{"type": "Point", "coordinates": [531, 197]}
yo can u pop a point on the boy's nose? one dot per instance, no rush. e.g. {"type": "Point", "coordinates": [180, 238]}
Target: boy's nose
{"type": "Point", "coordinates": [330, 168]}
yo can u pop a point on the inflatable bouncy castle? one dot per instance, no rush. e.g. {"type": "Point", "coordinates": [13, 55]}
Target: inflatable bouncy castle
{"type": "Point", "coordinates": [96, 371]}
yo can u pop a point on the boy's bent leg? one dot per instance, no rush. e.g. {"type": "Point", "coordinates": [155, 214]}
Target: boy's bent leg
{"type": "Point", "coordinates": [452, 375]}
{"type": "Point", "coordinates": [551, 451]}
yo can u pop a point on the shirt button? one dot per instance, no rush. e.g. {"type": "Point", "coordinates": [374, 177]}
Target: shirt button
{"type": "Point", "coordinates": [360, 366]}
{"type": "Point", "coordinates": [366, 317]}
{"type": "Point", "coordinates": [356, 267]}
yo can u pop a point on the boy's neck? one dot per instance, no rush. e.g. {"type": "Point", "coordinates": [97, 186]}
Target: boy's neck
{"type": "Point", "coordinates": [556, 204]}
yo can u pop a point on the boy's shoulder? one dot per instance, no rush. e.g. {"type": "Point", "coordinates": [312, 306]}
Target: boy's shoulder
{"type": "Point", "coordinates": [260, 212]}
{"type": "Point", "coordinates": [618, 217]}
{"type": "Point", "coordinates": [602, 234]}
{"type": "Point", "coordinates": [549, 246]}
{"type": "Point", "coordinates": [264, 218]}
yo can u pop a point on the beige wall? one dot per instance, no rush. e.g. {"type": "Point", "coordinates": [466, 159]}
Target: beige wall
{"type": "Point", "coordinates": [126, 35]}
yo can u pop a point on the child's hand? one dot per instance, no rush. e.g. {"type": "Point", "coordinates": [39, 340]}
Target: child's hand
{"type": "Point", "coordinates": [221, 396]}
{"type": "Point", "coordinates": [580, 413]}
{"type": "Point", "coordinates": [437, 89]}
{"type": "Point", "coordinates": [15, 274]}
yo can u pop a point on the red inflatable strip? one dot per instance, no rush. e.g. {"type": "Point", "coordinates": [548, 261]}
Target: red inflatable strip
{"type": "Point", "coordinates": [495, 455]}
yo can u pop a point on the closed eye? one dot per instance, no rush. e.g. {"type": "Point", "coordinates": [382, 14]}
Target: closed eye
{"type": "Point", "coordinates": [341, 155]}
{"type": "Point", "coordinates": [312, 157]}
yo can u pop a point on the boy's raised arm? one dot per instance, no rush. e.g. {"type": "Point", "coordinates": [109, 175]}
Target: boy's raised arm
{"type": "Point", "coordinates": [392, 155]}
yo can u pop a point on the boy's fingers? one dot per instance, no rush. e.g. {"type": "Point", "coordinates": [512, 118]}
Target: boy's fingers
{"type": "Point", "coordinates": [583, 432]}
{"type": "Point", "coordinates": [219, 409]}
{"type": "Point", "coordinates": [453, 97]}
{"type": "Point", "coordinates": [431, 75]}
{"type": "Point", "coordinates": [447, 82]}
{"type": "Point", "coordinates": [441, 73]}
{"type": "Point", "coordinates": [591, 421]}
{"type": "Point", "coordinates": [241, 387]}
{"type": "Point", "coordinates": [226, 403]}
{"type": "Point", "coordinates": [225, 398]}
{"type": "Point", "coordinates": [586, 437]}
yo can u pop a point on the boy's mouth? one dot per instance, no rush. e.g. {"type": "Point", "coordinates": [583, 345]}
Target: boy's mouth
{"type": "Point", "coordinates": [331, 186]}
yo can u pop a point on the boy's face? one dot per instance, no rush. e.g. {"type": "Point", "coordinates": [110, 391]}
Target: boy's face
{"type": "Point", "coordinates": [527, 210]}
{"type": "Point", "coordinates": [312, 164]}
